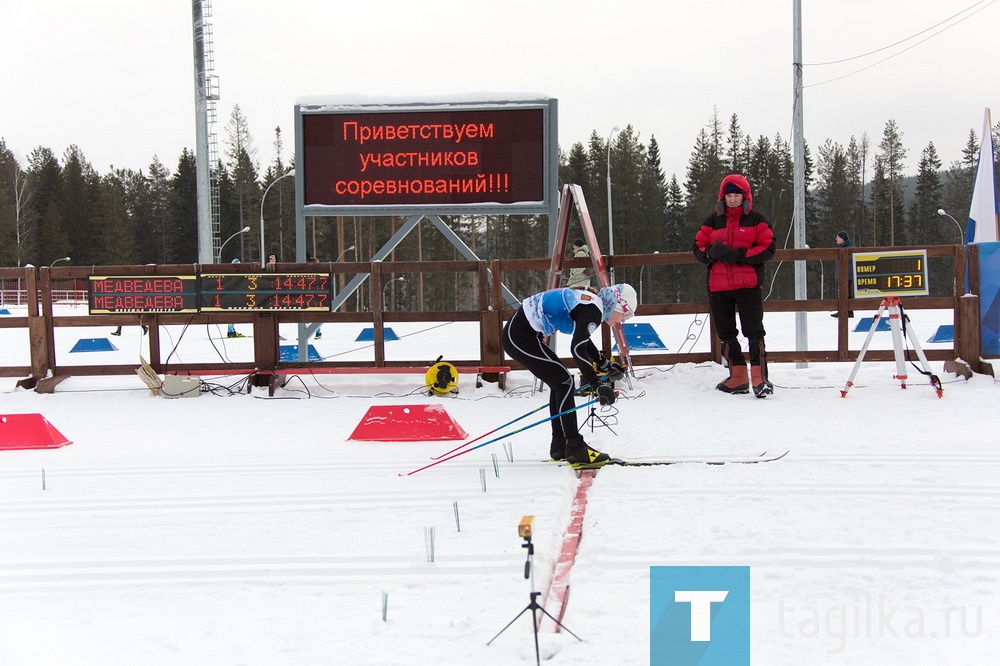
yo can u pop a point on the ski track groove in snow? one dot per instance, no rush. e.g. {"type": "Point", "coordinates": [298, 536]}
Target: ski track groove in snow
{"type": "Point", "coordinates": [248, 503]}
{"type": "Point", "coordinates": [247, 569]}
{"type": "Point", "coordinates": [985, 559]}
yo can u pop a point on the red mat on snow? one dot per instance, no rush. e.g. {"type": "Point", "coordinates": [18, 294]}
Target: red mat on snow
{"type": "Point", "coordinates": [29, 431]}
{"type": "Point", "coordinates": [407, 423]}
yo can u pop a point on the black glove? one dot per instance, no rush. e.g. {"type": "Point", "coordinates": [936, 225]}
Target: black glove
{"type": "Point", "coordinates": [734, 256]}
{"type": "Point", "coordinates": [717, 250]}
{"type": "Point", "coordinates": [612, 370]}
{"type": "Point", "coordinates": [606, 394]}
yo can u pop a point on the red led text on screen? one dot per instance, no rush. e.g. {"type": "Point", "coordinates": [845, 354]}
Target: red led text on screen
{"type": "Point", "coordinates": [424, 158]}
{"type": "Point", "coordinates": [143, 294]}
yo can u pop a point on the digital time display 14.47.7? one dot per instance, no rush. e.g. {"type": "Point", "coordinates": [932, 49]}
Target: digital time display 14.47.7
{"type": "Point", "coordinates": [265, 291]}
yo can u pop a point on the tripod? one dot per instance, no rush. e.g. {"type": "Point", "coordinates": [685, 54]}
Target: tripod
{"type": "Point", "coordinates": [533, 604]}
{"type": "Point", "coordinates": [898, 323]}
{"type": "Point", "coordinates": [596, 420]}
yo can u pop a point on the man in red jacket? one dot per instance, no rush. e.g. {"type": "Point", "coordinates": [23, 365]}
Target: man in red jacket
{"type": "Point", "coordinates": [734, 242]}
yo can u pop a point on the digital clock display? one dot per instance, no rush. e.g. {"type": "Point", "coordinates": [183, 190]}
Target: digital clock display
{"type": "Point", "coordinates": [265, 291]}
{"type": "Point", "coordinates": [142, 294]}
{"type": "Point", "coordinates": [898, 273]}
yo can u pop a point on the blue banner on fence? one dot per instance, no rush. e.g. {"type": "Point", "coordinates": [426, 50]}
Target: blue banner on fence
{"type": "Point", "coordinates": [699, 616]}
{"type": "Point", "coordinates": [989, 298]}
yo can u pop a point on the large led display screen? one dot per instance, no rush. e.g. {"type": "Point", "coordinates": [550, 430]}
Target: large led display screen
{"type": "Point", "coordinates": [415, 159]}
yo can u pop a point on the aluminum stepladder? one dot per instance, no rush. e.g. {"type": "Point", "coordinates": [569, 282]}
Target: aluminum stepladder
{"type": "Point", "coordinates": [897, 321]}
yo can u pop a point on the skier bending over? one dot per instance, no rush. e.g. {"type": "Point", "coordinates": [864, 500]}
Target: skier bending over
{"type": "Point", "coordinates": [576, 312]}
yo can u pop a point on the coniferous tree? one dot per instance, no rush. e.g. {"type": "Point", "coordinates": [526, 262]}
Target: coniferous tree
{"type": "Point", "coordinates": [16, 226]}
{"type": "Point", "coordinates": [995, 132]}
{"type": "Point", "coordinates": [116, 244]}
{"type": "Point", "coordinates": [678, 281]}
{"type": "Point", "coordinates": [78, 200]}
{"type": "Point", "coordinates": [182, 237]}
{"type": "Point", "coordinates": [835, 196]}
{"type": "Point", "coordinates": [705, 171]}
{"type": "Point", "coordinates": [279, 208]}
{"type": "Point", "coordinates": [242, 166]}
{"type": "Point", "coordinates": [924, 223]}
{"type": "Point", "coordinates": [652, 214]}
{"type": "Point", "coordinates": [575, 168]}
{"type": "Point", "coordinates": [595, 189]}
{"type": "Point", "coordinates": [760, 166]}
{"type": "Point", "coordinates": [627, 158]}
{"type": "Point", "coordinates": [893, 153]}
{"type": "Point", "coordinates": [880, 202]}
{"type": "Point", "coordinates": [50, 239]}
{"type": "Point", "coordinates": [857, 161]}
{"type": "Point", "coordinates": [156, 219]}
{"type": "Point", "coordinates": [961, 180]}
{"type": "Point", "coordinates": [734, 147]}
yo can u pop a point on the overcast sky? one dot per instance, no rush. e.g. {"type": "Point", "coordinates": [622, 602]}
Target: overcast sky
{"type": "Point", "coordinates": [116, 77]}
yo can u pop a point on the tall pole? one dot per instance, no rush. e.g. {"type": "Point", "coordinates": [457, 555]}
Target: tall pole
{"type": "Point", "coordinates": [201, 137]}
{"type": "Point", "coordinates": [263, 255]}
{"type": "Point", "coordinates": [798, 156]}
{"type": "Point", "coordinates": [611, 224]}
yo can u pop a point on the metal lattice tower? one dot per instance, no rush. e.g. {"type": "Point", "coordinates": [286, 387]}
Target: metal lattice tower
{"type": "Point", "coordinates": [207, 149]}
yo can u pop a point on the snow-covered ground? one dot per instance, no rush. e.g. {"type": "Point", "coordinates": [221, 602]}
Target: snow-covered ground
{"type": "Point", "coordinates": [240, 529]}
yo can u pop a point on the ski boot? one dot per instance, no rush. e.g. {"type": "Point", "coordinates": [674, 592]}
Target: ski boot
{"type": "Point", "coordinates": [557, 449]}
{"type": "Point", "coordinates": [581, 456]}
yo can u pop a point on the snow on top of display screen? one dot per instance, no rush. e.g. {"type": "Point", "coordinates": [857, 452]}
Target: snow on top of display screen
{"type": "Point", "coordinates": [350, 101]}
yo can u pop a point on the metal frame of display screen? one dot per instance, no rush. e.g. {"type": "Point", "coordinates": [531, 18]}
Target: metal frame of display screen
{"type": "Point", "coordinates": [464, 156]}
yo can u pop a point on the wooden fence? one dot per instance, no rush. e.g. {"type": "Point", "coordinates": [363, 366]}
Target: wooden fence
{"type": "Point", "coordinates": [62, 283]}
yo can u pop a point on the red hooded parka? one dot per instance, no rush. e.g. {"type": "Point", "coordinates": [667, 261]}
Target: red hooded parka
{"type": "Point", "coordinates": [742, 229]}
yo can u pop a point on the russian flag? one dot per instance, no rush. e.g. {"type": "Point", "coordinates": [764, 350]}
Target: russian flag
{"type": "Point", "coordinates": [982, 227]}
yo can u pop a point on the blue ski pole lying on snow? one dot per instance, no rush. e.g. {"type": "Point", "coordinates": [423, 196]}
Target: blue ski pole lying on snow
{"type": "Point", "coordinates": [495, 439]}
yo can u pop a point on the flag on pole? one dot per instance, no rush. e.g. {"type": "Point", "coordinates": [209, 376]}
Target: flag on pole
{"type": "Point", "coordinates": [982, 227]}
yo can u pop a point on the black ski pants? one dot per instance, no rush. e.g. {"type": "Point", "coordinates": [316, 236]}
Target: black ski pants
{"type": "Point", "coordinates": [750, 304]}
{"type": "Point", "coordinates": [527, 346]}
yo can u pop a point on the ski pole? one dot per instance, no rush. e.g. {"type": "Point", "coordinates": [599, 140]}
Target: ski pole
{"type": "Point", "coordinates": [471, 441]}
{"type": "Point", "coordinates": [495, 439]}
{"type": "Point", "coordinates": [523, 416]}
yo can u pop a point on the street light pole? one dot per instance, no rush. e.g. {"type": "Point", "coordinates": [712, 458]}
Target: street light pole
{"type": "Point", "coordinates": [336, 277]}
{"type": "Point", "coordinates": [965, 248]}
{"type": "Point", "coordinates": [387, 285]}
{"type": "Point", "coordinates": [641, 271]}
{"type": "Point", "coordinates": [943, 213]}
{"type": "Point", "coordinates": [245, 229]}
{"type": "Point", "coordinates": [291, 172]}
{"type": "Point", "coordinates": [58, 260]}
{"type": "Point", "coordinates": [611, 225]}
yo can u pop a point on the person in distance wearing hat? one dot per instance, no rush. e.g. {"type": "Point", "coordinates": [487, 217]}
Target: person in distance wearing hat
{"type": "Point", "coordinates": [843, 240]}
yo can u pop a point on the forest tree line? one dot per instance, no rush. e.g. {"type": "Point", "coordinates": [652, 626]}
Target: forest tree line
{"type": "Point", "coordinates": [57, 206]}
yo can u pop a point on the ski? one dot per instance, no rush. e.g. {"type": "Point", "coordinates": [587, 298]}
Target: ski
{"type": "Point", "coordinates": [719, 460]}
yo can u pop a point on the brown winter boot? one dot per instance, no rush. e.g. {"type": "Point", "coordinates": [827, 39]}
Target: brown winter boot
{"type": "Point", "coordinates": [761, 387]}
{"type": "Point", "coordinates": [738, 382]}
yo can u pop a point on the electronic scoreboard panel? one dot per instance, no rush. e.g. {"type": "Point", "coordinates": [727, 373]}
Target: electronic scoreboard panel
{"type": "Point", "coordinates": [112, 294]}
{"type": "Point", "coordinates": [896, 273]}
{"type": "Point", "coordinates": [265, 291]}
